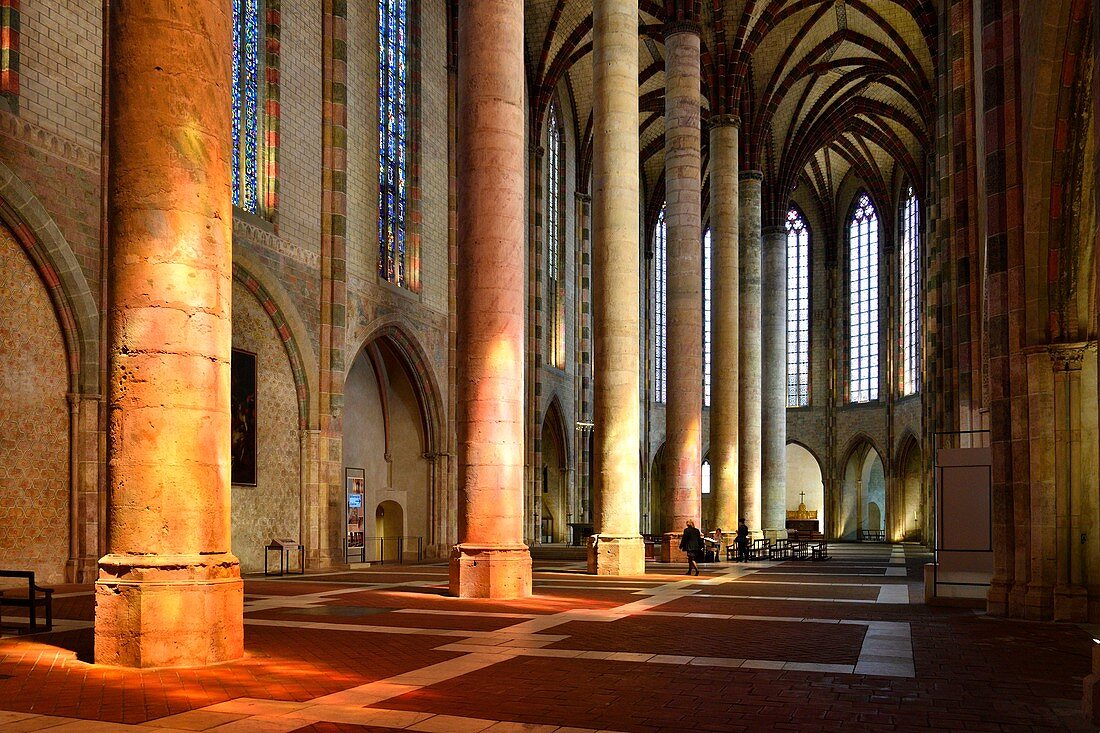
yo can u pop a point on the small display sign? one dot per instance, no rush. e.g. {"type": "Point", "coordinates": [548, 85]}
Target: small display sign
{"type": "Point", "coordinates": [355, 485]}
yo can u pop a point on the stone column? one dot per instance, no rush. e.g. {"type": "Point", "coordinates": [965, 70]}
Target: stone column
{"type": "Point", "coordinates": [490, 560]}
{"type": "Point", "coordinates": [1072, 558]}
{"type": "Point", "coordinates": [617, 548]}
{"type": "Point", "coordinates": [748, 417]}
{"type": "Point", "coordinates": [683, 217]}
{"type": "Point", "coordinates": [169, 593]}
{"type": "Point", "coordinates": [724, 227]}
{"type": "Point", "coordinates": [773, 380]}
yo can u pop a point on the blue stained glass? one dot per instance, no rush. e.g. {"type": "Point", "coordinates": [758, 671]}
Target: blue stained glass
{"type": "Point", "coordinates": [392, 141]}
{"type": "Point", "coordinates": [236, 93]}
{"type": "Point", "coordinates": [247, 40]}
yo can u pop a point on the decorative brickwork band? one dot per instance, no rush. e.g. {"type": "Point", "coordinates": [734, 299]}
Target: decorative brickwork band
{"type": "Point", "coordinates": [682, 26]}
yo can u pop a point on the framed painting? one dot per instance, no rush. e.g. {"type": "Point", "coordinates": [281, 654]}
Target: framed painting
{"type": "Point", "coordinates": [243, 418]}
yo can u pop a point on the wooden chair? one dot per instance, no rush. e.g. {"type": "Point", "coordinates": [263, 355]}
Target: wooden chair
{"type": "Point", "coordinates": [37, 597]}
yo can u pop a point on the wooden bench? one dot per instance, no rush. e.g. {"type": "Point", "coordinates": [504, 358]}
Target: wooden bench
{"type": "Point", "coordinates": [872, 535]}
{"type": "Point", "coordinates": [780, 550]}
{"type": "Point", "coordinates": [819, 550]}
{"type": "Point", "coordinates": [758, 549]}
{"type": "Point", "coordinates": [36, 597]}
{"type": "Point", "coordinates": [800, 549]}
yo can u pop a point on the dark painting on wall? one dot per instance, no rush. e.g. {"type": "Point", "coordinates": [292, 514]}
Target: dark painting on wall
{"type": "Point", "coordinates": [243, 406]}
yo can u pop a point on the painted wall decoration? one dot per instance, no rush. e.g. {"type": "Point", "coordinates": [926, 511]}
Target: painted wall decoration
{"type": "Point", "coordinates": [243, 406]}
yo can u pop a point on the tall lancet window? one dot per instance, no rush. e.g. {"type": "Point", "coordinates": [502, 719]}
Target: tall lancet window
{"type": "Point", "coordinates": [910, 294]}
{"type": "Point", "coordinates": [660, 308]}
{"type": "Point", "coordinates": [393, 257]}
{"type": "Point", "coordinates": [555, 353]}
{"type": "Point", "coordinates": [707, 267]}
{"type": "Point", "coordinates": [798, 310]}
{"type": "Point", "coordinates": [247, 70]}
{"type": "Point", "coordinates": [863, 319]}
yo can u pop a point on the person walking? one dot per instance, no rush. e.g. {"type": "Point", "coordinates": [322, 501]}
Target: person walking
{"type": "Point", "coordinates": [692, 544]}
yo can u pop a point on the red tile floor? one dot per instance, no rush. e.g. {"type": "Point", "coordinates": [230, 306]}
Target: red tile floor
{"type": "Point", "coordinates": [842, 645]}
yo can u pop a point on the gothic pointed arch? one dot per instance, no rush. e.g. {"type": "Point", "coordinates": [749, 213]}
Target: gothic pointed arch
{"type": "Point", "coordinates": [420, 372]}
{"type": "Point", "coordinates": [291, 329]}
{"type": "Point", "coordinates": [61, 273]}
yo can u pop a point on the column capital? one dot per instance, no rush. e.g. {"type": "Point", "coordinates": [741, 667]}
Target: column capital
{"type": "Point", "coordinates": [584, 198]}
{"type": "Point", "coordinates": [774, 230]}
{"type": "Point", "coordinates": [1069, 357]}
{"type": "Point", "coordinates": [682, 26]}
{"type": "Point", "coordinates": [724, 121]}
{"type": "Point", "coordinates": [751, 175]}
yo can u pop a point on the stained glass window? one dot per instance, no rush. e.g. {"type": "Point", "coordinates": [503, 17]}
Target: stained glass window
{"type": "Point", "coordinates": [910, 294]}
{"type": "Point", "coordinates": [660, 307]}
{"type": "Point", "coordinates": [392, 141]}
{"type": "Point", "coordinates": [247, 70]}
{"type": "Point", "coordinates": [863, 346]}
{"type": "Point", "coordinates": [706, 321]}
{"type": "Point", "coordinates": [798, 310]}
{"type": "Point", "coordinates": [555, 354]}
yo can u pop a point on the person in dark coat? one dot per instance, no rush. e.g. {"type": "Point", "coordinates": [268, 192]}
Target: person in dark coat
{"type": "Point", "coordinates": [742, 541]}
{"type": "Point", "coordinates": [692, 544]}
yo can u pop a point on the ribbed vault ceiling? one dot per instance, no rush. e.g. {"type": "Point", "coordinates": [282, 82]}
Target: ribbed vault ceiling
{"type": "Point", "coordinates": [826, 89]}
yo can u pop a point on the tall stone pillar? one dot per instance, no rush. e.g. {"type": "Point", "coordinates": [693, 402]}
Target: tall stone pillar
{"type": "Point", "coordinates": [773, 380]}
{"type": "Point", "coordinates": [748, 416]}
{"type": "Point", "coordinates": [169, 593]}
{"type": "Point", "coordinates": [683, 217]}
{"type": "Point", "coordinates": [490, 560]}
{"type": "Point", "coordinates": [724, 227]}
{"type": "Point", "coordinates": [617, 547]}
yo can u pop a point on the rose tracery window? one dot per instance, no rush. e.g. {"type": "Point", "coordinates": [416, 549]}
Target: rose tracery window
{"type": "Point", "coordinates": [863, 315]}
{"type": "Point", "coordinates": [910, 294]}
{"type": "Point", "coordinates": [798, 310]}
{"type": "Point", "coordinates": [660, 307]}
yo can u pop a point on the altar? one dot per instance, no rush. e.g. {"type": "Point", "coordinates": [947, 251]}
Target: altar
{"type": "Point", "coordinates": [803, 519]}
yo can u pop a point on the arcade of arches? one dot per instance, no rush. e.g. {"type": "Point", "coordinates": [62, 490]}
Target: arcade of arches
{"type": "Point", "coordinates": [465, 309]}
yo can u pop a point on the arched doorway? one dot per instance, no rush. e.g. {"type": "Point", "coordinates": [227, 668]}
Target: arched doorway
{"type": "Point", "coordinates": [862, 510]}
{"type": "Point", "coordinates": [654, 518]}
{"type": "Point", "coordinates": [554, 481]}
{"type": "Point", "coordinates": [34, 455]}
{"type": "Point", "coordinates": [907, 503]}
{"type": "Point", "coordinates": [389, 527]}
{"type": "Point", "coordinates": [385, 436]}
{"type": "Point", "coordinates": [805, 487]}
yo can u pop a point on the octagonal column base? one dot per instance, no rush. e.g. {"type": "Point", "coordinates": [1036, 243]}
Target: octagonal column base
{"type": "Point", "coordinates": [609, 555]}
{"type": "Point", "coordinates": [490, 571]}
{"type": "Point", "coordinates": [169, 610]}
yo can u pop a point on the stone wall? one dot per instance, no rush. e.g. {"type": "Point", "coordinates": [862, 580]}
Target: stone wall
{"type": "Point", "coordinates": [34, 447]}
{"type": "Point", "coordinates": [271, 508]}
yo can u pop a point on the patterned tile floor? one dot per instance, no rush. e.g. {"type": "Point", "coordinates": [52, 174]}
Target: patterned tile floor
{"type": "Point", "coordinates": [843, 645]}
